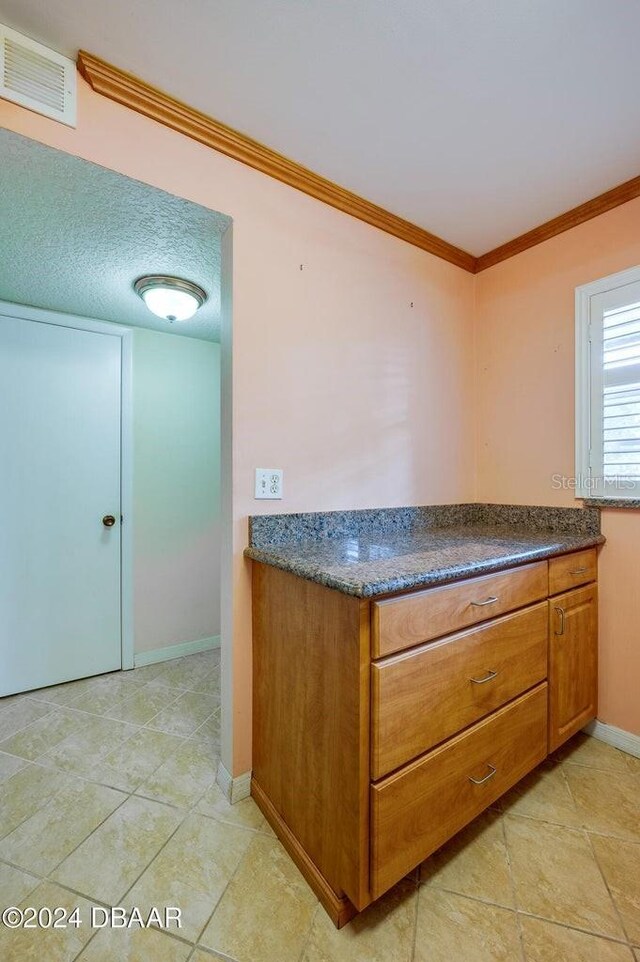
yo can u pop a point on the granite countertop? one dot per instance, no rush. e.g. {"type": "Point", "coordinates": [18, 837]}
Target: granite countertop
{"type": "Point", "coordinates": [373, 553]}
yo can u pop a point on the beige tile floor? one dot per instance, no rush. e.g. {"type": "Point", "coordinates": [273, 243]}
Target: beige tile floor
{"type": "Point", "coordinates": [108, 797]}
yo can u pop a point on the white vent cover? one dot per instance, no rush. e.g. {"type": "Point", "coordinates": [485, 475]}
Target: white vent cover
{"type": "Point", "coordinates": [38, 78]}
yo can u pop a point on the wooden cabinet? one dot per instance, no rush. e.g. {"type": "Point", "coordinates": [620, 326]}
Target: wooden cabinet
{"type": "Point", "coordinates": [570, 570]}
{"type": "Point", "coordinates": [399, 623]}
{"type": "Point", "coordinates": [382, 727]}
{"type": "Point", "coordinates": [573, 662]}
{"type": "Point", "coordinates": [416, 810]}
{"type": "Point", "coordinates": [423, 696]}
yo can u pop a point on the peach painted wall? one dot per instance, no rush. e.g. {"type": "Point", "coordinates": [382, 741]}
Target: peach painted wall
{"type": "Point", "coordinates": [362, 399]}
{"type": "Point", "coordinates": [525, 417]}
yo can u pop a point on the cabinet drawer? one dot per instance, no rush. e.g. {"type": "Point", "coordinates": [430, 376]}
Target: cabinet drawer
{"type": "Point", "coordinates": [422, 697]}
{"type": "Point", "coordinates": [571, 570]}
{"type": "Point", "coordinates": [416, 810]}
{"type": "Point", "coordinates": [399, 623]}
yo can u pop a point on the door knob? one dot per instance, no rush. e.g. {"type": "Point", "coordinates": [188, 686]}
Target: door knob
{"type": "Point", "coordinates": [108, 521]}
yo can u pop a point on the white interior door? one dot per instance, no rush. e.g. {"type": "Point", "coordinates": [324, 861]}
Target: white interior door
{"type": "Point", "coordinates": [60, 449]}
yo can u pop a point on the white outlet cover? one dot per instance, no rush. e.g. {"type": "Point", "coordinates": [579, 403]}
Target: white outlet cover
{"type": "Point", "coordinates": [268, 484]}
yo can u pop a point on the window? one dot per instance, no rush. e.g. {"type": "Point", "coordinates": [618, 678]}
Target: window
{"type": "Point", "coordinates": [608, 387]}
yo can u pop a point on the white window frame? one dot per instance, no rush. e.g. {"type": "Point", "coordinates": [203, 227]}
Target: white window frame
{"type": "Point", "coordinates": [591, 299]}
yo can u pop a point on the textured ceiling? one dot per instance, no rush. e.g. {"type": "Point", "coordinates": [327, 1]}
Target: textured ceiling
{"type": "Point", "coordinates": [75, 236]}
{"type": "Point", "coordinates": [476, 120]}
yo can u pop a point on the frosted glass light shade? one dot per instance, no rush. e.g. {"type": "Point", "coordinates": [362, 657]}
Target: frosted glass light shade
{"type": "Point", "coordinates": [172, 298]}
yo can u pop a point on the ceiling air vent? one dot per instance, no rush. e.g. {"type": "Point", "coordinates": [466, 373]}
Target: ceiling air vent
{"type": "Point", "coordinates": [38, 78]}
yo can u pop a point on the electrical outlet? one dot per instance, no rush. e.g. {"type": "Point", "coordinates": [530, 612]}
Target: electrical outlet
{"type": "Point", "coordinates": [269, 484]}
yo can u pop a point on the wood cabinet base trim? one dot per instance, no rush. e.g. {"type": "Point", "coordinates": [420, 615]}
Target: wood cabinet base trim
{"type": "Point", "coordinates": [339, 909]}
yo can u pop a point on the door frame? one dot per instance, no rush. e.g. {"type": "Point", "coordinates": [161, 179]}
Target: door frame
{"type": "Point", "coordinates": [41, 316]}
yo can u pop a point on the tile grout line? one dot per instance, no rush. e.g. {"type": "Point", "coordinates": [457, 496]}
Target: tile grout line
{"type": "Point", "coordinates": [514, 891]}
{"type": "Point", "coordinates": [71, 776]}
{"type": "Point", "coordinates": [91, 779]}
{"type": "Point", "coordinates": [161, 849]}
{"type": "Point", "coordinates": [90, 898]}
{"type": "Point", "coordinates": [137, 730]}
{"type": "Point", "coordinates": [571, 828]}
{"type": "Point", "coordinates": [212, 954]}
{"type": "Point", "coordinates": [152, 682]}
{"type": "Point", "coordinates": [307, 937]}
{"type": "Point", "coordinates": [164, 731]}
{"type": "Point", "coordinates": [606, 885]}
{"type": "Point", "coordinates": [32, 695]}
{"type": "Point", "coordinates": [574, 928]}
{"type": "Point", "coordinates": [93, 830]}
{"type": "Point", "coordinates": [94, 714]}
{"type": "Point", "coordinates": [49, 877]}
{"type": "Point", "coordinates": [161, 932]}
{"type": "Point", "coordinates": [596, 768]}
{"type": "Point", "coordinates": [147, 724]}
{"type": "Point", "coordinates": [593, 852]}
{"type": "Point", "coordinates": [139, 790]}
{"type": "Point", "coordinates": [171, 754]}
{"type": "Point", "coordinates": [99, 756]}
{"type": "Point", "coordinates": [582, 830]}
{"type": "Point", "coordinates": [474, 898]}
{"type": "Point", "coordinates": [187, 813]}
{"type": "Point", "coordinates": [51, 798]}
{"type": "Point", "coordinates": [176, 694]}
{"type": "Point", "coordinates": [533, 915]}
{"type": "Point", "coordinates": [222, 895]}
{"type": "Point", "coordinates": [51, 748]}
{"type": "Point", "coordinates": [6, 861]}
{"type": "Point", "coordinates": [597, 861]}
{"type": "Point", "coordinates": [46, 763]}
{"type": "Point", "coordinates": [135, 694]}
{"type": "Point", "coordinates": [416, 914]}
{"type": "Point", "coordinates": [18, 731]}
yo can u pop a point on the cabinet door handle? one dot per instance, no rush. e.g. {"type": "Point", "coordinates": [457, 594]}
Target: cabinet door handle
{"type": "Point", "coordinates": [491, 674]}
{"type": "Point", "coordinates": [579, 571]}
{"type": "Point", "coordinates": [480, 604]}
{"type": "Point", "coordinates": [481, 781]}
{"type": "Point", "coordinates": [560, 611]}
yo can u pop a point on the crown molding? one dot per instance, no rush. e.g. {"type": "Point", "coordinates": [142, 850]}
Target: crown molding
{"type": "Point", "coordinates": [557, 225]}
{"type": "Point", "coordinates": [126, 89]}
{"type": "Point", "coordinates": [132, 92]}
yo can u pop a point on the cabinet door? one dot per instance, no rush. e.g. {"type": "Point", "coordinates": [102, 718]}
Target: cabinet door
{"type": "Point", "coordinates": [573, 662]}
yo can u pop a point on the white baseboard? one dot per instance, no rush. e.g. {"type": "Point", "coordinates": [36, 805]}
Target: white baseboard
{"type": "Point", "coordinates": [142, 658]}
{"type": "Point", "coordinates": [625, 741]}
{"type": "Point", "coordinates": [233, 789]}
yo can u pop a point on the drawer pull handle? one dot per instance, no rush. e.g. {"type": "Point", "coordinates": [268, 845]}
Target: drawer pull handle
{"type": "Point", "coordinates": [579, 571]}
{"type": "Point", "coordinates": [560, 611]}
{"type": "Point", "coordinates": [480, 604]}
{"type": "Point", "coordinates": [488, 677]}
{"type": "Point", "coordinates": [481, 781]}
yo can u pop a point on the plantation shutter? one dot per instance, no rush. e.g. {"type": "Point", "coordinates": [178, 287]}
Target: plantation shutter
{"type": "Point", "coordinates": [621, 393]}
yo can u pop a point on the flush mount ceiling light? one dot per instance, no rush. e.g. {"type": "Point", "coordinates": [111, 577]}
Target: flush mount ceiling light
{"type": "Point", "coordinates": [170, 297]}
